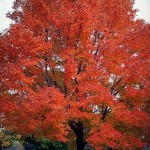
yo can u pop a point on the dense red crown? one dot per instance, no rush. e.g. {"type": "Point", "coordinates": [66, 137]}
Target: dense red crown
{"type": "Point", "coordinates": [76, 60]}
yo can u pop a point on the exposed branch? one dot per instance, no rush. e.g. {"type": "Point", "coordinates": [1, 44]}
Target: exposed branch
{"type": "Point", "coordinates": [78, 37]}
{"type": "Point", "coordinates": [73, 126]}
{"type": "Point", "coordinates": [105, 112]}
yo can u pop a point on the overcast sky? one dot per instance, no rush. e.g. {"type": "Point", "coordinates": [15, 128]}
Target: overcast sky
{"type": "Point", "coordinates": [5, 6]}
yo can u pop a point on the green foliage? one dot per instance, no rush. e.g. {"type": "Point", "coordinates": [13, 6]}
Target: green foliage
{"type": "Point", "coordinates": [7, 139]}
{"type": "Point", "coordinates": [43, 144]}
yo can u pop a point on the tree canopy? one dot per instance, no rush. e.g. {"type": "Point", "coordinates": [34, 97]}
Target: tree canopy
{"type": "Point", "coordinates": [76, 69]}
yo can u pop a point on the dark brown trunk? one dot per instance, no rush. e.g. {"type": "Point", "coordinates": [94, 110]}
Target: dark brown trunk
{"type": "Point", "coordinates": [1, 143]}
{"type": "Point", "coordinates": [78, 130]}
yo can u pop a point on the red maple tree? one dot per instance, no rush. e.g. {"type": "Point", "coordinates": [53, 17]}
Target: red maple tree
{"type": "Point", "coordinates": [76, 67]}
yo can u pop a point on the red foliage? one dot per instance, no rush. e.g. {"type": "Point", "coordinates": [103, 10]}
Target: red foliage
{"type": "Point", "coordinates": [71, 61]}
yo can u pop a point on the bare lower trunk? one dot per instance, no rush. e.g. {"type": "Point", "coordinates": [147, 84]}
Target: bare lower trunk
{"type": "Point", "coordinates": [78, 130]}
{"type": "Point", "coordinates": [1, 145]}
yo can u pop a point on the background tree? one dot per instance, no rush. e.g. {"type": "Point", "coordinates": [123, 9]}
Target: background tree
{"type": "Point", "coordinates": [76, 68]}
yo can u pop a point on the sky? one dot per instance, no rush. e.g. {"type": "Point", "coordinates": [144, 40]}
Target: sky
{"type": "Point", "coordinates": [5, 6]}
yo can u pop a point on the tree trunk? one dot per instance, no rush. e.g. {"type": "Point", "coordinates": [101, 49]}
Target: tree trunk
{"type": "Point", "coordinates": [1, 145]}
{"type": "Point", "coordinates": [78, 130]}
